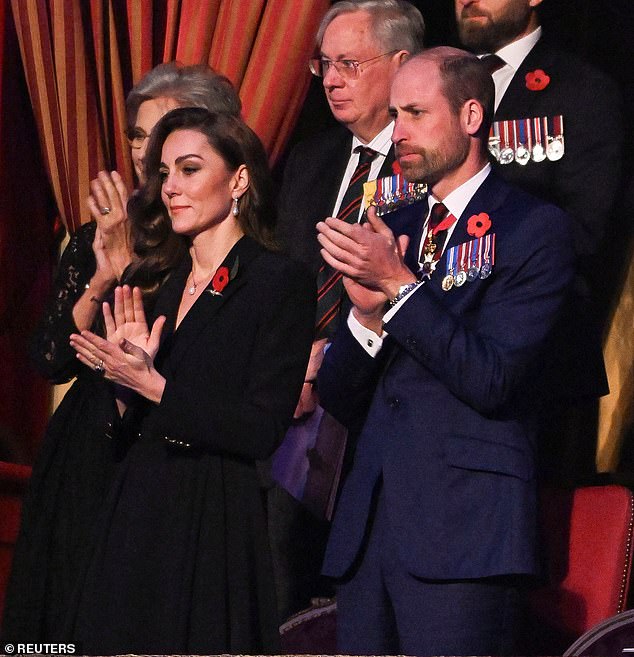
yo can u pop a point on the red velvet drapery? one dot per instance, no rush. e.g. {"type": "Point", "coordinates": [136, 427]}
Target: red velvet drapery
{"type": "Point", "coordinates": [80, 58]}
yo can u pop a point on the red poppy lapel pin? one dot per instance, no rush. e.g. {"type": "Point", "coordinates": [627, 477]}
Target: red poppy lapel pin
{"type": "Point", "coordinates": [396, 168]}
{"type": "Point", "coordinates": [537, 80]}
{"type": "Point", "coordinates": [222, 277]}
{"type": "Point", "coordinates": [478, 224]}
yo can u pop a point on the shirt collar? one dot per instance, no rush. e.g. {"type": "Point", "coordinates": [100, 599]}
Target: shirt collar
{"type": "Point", "coordinates": [515, 53]}
{"type": "Point", "coordinates": [457, 201]}
{"type": "Point", "coordinates": [381, 142]}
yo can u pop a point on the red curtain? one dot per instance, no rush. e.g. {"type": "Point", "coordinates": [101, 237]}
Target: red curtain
{"type": "Point", "coordinates": [80, 58]}
{"type": "Point", "coordinates": [26, 255]}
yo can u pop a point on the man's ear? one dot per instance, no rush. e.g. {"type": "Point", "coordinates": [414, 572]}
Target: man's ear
{"type": "Point", "coordinates": [402, 56]}
{"type": "Point", "coordinates": [472, 116]}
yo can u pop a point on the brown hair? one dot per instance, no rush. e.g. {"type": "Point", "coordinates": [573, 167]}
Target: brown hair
{"type": "Point", "coordinates": [155, 243]}
{"type": "Point", "coordinates": [464, 77]}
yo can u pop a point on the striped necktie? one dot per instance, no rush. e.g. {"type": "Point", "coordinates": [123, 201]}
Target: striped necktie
{"type": "Point", "coordinates": [329, 283]}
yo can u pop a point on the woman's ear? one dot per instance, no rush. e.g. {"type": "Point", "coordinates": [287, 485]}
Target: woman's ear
{"type": "Point", "coordinates": [240, 181]}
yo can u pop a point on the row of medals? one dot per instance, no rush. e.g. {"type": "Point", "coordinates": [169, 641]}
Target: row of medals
{"type": "Point", "coordinates": [463, 276]}
{"type": "Point", "coordinates": [394, 192]}
{"type": "Point", "coordinates": [466, 276]}
{"type": "Point", "coordinates": [502, 148]}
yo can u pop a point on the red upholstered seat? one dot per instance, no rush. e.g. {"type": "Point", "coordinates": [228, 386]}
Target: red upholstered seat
{"type": "Point", "coordinates": [587, 537]}
{"type": "Point", "coordinates": [13, 482]}
{"type": "Point", "coordinates": [587, 540]}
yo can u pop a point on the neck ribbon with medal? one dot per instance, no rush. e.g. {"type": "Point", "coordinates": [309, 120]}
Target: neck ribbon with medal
{"type": "Point", "coordinates": [430, 252]}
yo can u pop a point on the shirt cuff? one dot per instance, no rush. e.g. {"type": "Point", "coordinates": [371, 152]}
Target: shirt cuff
{"type": "Point", "coordinates": [368, 339]}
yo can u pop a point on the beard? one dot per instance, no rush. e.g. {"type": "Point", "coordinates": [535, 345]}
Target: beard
{"type": "Point", "coordinates": [433, 164]}
{"type": "Point", "coordinates": [491, 34]}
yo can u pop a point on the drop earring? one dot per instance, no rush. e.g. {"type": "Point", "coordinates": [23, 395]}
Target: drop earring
{"type": "Point", "coordinates": [235, 210]}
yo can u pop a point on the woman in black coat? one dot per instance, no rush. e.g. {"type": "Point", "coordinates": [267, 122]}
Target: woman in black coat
{"type": "Point", "coordinates": [182, 563]}
{"type": "Point", "coordinates": [72, 474]}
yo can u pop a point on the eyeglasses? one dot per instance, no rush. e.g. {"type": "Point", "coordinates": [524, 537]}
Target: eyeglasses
{"type": "Point", "coordinates": [347, 68]}
{"type": "Point", "coordinates": [136, 137]}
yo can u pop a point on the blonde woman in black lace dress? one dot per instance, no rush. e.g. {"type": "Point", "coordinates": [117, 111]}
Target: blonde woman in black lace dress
{"type": "Point", "coordinates": [79, 452]}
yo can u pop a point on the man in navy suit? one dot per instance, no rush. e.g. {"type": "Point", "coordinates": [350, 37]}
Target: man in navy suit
{"type": "Point", "coordinates": [537, 81]}
{"type": "Point", "coordinates": [361, 44]}
{"type": "Point", "coordinates": [434, 534]}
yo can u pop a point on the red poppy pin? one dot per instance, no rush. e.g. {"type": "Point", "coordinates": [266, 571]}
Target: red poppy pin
{"type": "Point", "coordinates": [478, 224]}
{"type": "Point", "coordinates": [537, 80]}
{"type": "Point", "coordinates": [222, 277]}
{"type": "Point", "coordinates": [396, 168]}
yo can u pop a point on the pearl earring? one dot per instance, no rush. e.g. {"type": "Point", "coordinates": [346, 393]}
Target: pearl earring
{"type": "Point", "coordinates": [235, 210]}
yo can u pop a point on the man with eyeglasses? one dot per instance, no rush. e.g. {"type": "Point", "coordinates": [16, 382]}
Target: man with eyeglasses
{"type": "Point", "coordinates": [361, 44]}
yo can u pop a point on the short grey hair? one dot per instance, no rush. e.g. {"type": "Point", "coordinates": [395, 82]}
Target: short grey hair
{"type": "Point", "coordinates": [397, 24]}
{"type": "Point", "coordinates": [189, 86]}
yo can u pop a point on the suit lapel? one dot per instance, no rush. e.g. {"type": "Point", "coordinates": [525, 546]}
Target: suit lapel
{"type": "Point", "coordinates": [386, 168]}
{"type": "Point", "coordinates": [518, 101]}
{"type": "Point", "coordinates": [488, 198]}
{"type": "Point", "coordinates": [334, 161]}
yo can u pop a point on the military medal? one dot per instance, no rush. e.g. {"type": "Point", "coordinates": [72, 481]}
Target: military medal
{"type": "Point", "coordinates": [461, 277]}
{"type": "Point", "coordinates": [555, 147]}
{"type": "Point", "coordinates": [507, 153]}
{"type": "Point", "coordinates": [494, 140]}
{"type": "Point", "coordinates": [522, 152]}
{"type": "Point", "coordinates": [489, 254]}
{"type": "Point", "coordinates": [539, 152]}
{"type": "Point", "coordinates": [448, 280]}
{"type": "Point", "coordinates": [474, 271]}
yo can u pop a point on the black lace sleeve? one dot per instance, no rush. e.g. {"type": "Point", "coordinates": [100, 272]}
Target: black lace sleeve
{"type": "Point", "coordinates": [50, 351]}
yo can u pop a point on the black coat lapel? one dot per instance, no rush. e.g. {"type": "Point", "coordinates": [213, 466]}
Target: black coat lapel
{"type": "Point", "coordinates": [206, 306]}
{"type": "Point", "coordinates": [518, 101]}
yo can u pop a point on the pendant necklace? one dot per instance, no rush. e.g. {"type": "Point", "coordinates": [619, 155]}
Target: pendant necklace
{"type": "Point", "coordinates": [193, 286]}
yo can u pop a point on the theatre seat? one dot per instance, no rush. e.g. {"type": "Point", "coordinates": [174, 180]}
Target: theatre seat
{"type": "Point", "coordinates": [13, 483]}
{"type": "Point", "coordinates": [614, 636]}
{"type": "Point", "coordinates": [312, 631]}
{"type": "Point", "coordinates": [587, 539]}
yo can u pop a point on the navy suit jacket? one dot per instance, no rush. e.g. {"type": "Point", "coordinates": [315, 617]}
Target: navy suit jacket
{"type": "Point", "coordinates": [448, 406]}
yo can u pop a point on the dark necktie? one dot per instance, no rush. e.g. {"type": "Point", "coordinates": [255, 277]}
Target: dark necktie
{"type": "Point", "coordinates": [492, 63]}
{"type": "Point", "coordinates": [437, 218]}
{"type": "Point", "coordinates": [329, 283]}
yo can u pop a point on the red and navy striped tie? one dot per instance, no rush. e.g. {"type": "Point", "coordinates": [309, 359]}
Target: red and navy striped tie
{"type": "Point", "coordinates": [329, 284]}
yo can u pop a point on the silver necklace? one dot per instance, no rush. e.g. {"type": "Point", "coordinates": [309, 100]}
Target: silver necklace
{"type": "Point", "coordinates": [194, 285]}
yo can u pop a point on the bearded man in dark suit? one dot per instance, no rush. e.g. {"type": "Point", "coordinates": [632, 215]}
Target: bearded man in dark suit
{"type": "Point", "coordinates": [361, 44]}
{"type": "Point", "coordinates": [434, 533]}
{"type": "Point", "coordinates": [558, 120]}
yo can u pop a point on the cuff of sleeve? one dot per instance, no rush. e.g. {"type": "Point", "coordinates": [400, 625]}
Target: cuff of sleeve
{"type": "Point", "coordinates": [368, 339]}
